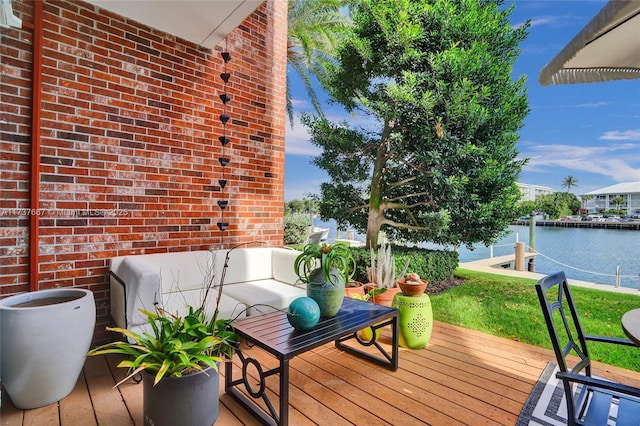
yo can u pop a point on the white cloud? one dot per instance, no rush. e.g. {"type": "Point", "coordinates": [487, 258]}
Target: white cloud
{"type": "Point", "coordinates": [594, 104]}
{"type": "Point", "coordinates": [297, 141]}
{"type": "Point", "coordinates": [298, 138]}
{"type": "Point", "coordinates": [544, 20]}
{"type": "Point", "coordinates": [621, 135]}
{"type": "Point", "coordinates": [587, 105]}
{"type": "Point", "coordinates": [614, 161]}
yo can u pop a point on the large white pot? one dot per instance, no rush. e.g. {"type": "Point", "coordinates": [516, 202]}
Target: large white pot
{"type": "Point", "coordinates": [44, 339]}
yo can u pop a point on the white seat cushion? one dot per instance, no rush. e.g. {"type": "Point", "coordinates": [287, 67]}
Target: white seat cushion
{"type": "Point", "coordinates": [264, 295]}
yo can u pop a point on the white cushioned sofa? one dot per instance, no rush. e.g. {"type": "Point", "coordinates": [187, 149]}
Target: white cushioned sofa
{"type": "Point", "coordinates": [258, 279]}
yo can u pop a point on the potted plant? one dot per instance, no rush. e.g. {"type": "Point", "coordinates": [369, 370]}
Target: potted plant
{"type": "Point", "coordinates": [412, 285]}
{"type": "Point", "coordinates": [325, 268]}
{"type": "Point", "coordinates": [353, 287]}
{"type": "Point", "coordinates": [381, 274]}
{"type": "Point", "coordinates": [178, 361]}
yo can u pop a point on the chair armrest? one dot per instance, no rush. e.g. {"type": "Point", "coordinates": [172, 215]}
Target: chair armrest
{"type": "Point", "coordinates": [613, 340]}
{"type": "Point", "coordinates": [599, 383]}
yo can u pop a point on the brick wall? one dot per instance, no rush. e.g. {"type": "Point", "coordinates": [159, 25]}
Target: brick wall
{"type": "Point", "coordinates": [129, 143]}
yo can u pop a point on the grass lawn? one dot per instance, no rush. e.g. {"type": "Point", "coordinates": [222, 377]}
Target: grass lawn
{"type": "Point", "coordinates": [508, 307]}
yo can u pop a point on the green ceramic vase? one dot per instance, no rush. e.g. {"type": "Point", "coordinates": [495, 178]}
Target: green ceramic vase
{"type": "Point", "coordinates": [328, 295]}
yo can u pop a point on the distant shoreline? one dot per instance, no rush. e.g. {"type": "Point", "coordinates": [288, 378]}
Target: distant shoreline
{"type": "Point", "coordinates": [634, 226]}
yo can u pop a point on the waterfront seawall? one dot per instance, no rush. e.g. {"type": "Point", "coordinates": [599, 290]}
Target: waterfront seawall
{"type": "Point", "coordinates": [635, 226]}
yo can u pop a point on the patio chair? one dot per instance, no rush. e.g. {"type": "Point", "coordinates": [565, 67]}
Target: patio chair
{"type": "Point", "coordinates": [588, 398]}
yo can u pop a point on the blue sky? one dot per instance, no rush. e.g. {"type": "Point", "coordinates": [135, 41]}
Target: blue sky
{"type": "Point", "coordinates": [589, 131]}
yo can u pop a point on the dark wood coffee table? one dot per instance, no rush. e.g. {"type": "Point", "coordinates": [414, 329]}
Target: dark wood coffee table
{"type": "Point", "coordinates": [273, 333]}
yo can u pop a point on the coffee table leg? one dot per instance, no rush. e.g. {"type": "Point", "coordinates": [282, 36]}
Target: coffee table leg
{"type": "Point", "coordinates": [271, 417]}
{"type": "Point", "coordinates": [395, 329]}
{"type": "Point", "coordinates": [389, 360]}
{"type": "Point", "coordinates": [284, 392]}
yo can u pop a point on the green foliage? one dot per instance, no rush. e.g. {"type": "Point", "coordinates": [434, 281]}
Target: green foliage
{"type": "Point", "coordinates": [508, 307]}
{"type": "Point", "coordinates": [314, 27]}
{"type": "Point", "coordinates": [177, 345]}
{"type": "Point", "coordinates": [432, 265]}
{"type": "Point", "coordinates": [527, 207]}
{"type": "Point", "coordinates": [569, 182]}
{"type": "Point", "coordinates": [618, 201]}
{"type": "Point", "coordinates": [558, 204]}
{"type": "Point", "coordinates": [438, 162]}
{"type": "Point", "coordinates": [296, 227]}
{"type": "Point", "coordinates": [327, 258]}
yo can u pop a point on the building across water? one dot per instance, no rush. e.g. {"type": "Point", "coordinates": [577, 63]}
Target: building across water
{"type": "Point", "coordinates": [621, 196]}
{"type": "Point", "coordinates": [532, 192]}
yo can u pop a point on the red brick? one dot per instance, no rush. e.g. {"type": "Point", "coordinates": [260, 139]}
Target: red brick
{"type": "Point", "coordinates": [129, 126]}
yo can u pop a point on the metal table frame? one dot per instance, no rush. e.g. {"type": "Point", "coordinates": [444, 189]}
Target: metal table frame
{"type": "Point", "coordinates": [273, 333]}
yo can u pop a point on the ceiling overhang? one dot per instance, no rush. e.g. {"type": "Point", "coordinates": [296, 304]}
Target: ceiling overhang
{"type": "Point", "coordinates": [607, 48]}
{"type": "Point", "coordinates": [203, 22]}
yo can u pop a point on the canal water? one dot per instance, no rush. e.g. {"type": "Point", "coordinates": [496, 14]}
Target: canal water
{"type": "Point", "coordinates": [584, 254]}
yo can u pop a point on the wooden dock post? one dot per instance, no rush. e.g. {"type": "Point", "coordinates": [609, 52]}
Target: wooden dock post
{"type": "Point", "coordinates": [519, 256]}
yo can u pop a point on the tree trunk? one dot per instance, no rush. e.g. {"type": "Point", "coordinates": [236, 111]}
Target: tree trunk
{"type": "Point", "coordinates": [376, 190]}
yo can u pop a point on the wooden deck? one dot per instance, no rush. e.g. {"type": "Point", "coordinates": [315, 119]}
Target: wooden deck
{"type": "Point", "coordinates": [462, 377]}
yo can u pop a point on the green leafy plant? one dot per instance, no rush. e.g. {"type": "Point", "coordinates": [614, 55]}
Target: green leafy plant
{"type": "Point", "coordinates": [177, 345]}
{"type": "Point", "coordinates": [326, 258]}
{"type": "Point", "coordinates": [371, 293]}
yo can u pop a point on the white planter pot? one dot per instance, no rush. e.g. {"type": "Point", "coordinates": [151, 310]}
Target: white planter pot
{"type": "Point", "coordinates": [44, 339]}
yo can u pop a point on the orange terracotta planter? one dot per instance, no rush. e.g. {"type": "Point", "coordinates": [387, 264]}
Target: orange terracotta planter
{"type": "Point", "coordinates": [386, 298]}
{"type": "Point", "coordinates": [413, 289]}
{"type": "Point", "coordinates": [351, 291]}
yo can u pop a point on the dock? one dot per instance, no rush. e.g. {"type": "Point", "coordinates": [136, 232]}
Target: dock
{"type": "Point", "coordinates": [506, 262]}
{"type": "Point", "coordinates": [495, 265]}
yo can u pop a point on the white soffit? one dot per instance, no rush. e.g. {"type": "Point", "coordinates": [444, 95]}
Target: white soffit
{"type": "Point", "coordinates": [608, 48]}
{"type": "Point", "coordinates": [203, 22]}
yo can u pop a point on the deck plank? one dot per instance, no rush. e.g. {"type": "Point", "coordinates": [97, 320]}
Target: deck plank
{"type": "Point", "coordinates": [43, 416]}
{"type": "Point", "coordinates": [110, 409]}
{"type": "Point", "coordinates": [130, 391]}
{"type": "Point", "coordinates": [461, 377]}
{"type": "Point", "coordinates": [76, 408]}
{"type": "Point", "coordinates": [9, 414]}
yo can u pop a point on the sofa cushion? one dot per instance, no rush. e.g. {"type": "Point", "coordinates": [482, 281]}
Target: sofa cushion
{"type": "Point", "coordinates": [264, 295]}
{"type": "Point", "coordinates": [176, 303]}
{"type": "Point", "coordinates": [282, 261]}
{"type": "Point", "coordinates": [181, 271]}
{"type": "Point", "coordinates": [248, 264]}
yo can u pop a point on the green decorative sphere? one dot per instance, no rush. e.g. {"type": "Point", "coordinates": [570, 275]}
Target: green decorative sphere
{"type": "Point", "coordinates": [304, 313]}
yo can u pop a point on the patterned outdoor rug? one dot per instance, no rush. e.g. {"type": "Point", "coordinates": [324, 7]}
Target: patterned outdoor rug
{"type": "Point", "coordinates": [546, 404]}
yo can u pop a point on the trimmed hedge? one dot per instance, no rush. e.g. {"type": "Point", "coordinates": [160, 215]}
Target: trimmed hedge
{"type": "Point", "coordinates": [432, 265]}
{"type": "Point", "coordinates": [296, 228]}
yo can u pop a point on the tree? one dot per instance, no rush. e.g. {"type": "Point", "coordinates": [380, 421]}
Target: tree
{"type": "Point", "coordinates": [439, 163]}
{"type": "Point", "coordinates": [617, 201]}
{"type": "Point", "coordinates": [585, 199]}
{"type": "Point", "coordinates": [313, 31]}
{"type": "Point", "coordinates": [558, 204]}
{"type": "Point", "coordinates": [569, 182]}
